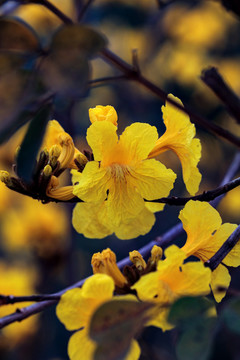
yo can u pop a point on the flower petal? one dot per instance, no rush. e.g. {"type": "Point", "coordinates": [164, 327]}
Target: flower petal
{"type": "Point", "coordinates": [54, 129]}
{"type": "Point", "coordinates": [140, 225]}
{"type": "Point", "coordinates": [200, 220]}
{"type": "Point", "coordinates": [220, 278]}
{"type": "Point", "coordinates": [80, 346]}
{"type": "Point", "coordinates": [178, 137]}
{"type": "Point", "coordinates": [233, 257]}
{"type": "Point", "coordinates": [98, 286]}
{"type": "Point", "coordinates": [102, 138]}
{"type": "Point", "coordinates": [93, 184]}
{"type": "Point", "coordinates": [138, 139]}
{"type": "Point", "coordinates": [152, 179]}
{"type": "Point", "coordinates": [123, 204]}
{"type": "Point", "coordinates": [134, 351]}
{"type": "Point", "coordinates": [69, 309]}
{"type": "Point", "coordinates": [86, 221]}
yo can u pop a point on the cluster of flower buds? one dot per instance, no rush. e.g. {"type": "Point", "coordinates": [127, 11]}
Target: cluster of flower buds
{"type": "Point", "coordinates": [58, 154]}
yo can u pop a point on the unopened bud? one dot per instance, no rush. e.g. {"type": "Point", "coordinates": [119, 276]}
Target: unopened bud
{"type": "Point", "coordinates": [156, 254]}
{"type": "Point", "coordinates": [5, 177]}
{"type": "Point", "coordinates": [47, 171]}
{"type": "Point", "coordinates": [80, 160]}
{"type": "Point", "coordinates": [137, 259]}
{"type": "Point", "coordinates": [103, 113]}
{"type": "Point", "coordinates": [54, 154]}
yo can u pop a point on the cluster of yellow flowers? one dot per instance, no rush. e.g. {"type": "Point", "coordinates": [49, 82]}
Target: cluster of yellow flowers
{"type": "Point", "coordinates": [115, 187]}
{"type": "Point", "coordinates": [161, 282]}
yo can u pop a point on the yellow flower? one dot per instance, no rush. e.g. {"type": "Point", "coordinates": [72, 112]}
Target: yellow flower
{"type": "Point", "coordinates": [205, 235]}
{"type": "Point", "coordinates": [75, 310]}
{"type": "Point", "coordinates": [172, 280]}
{"type": "Point", "coordinates": [19, 281]}
{"type": "Point", "coordinates": [179, 137]}
{"type": "Point", "coordinates": [30, 224]}
{"type": "Point", "coordinates": [116, 183]}
{"type": "Point", "coordinates": [102, 113]}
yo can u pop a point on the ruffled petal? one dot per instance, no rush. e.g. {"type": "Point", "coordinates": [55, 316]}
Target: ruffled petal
{"type": "Point", "coordinates": [193, 279]}
{"type": "Point", "coordinates": [154, 207]}
{"type": "Point", "coordinates": [200, 220]}
{"type": "Point", "coordinates": [93, 184]}
{"type": "Point", "coordinates": [102, 138]}
{"type": "Point", "coordinates": [99, 286]}
{"type": "Point", "coordinates": [140, 225]}
{"type": "Point", "coordinates": [147, 286]}
{"type": "Point", "coordinates": [152, 179]}
{"type": "Point", "coordinates": [76, 306]}
{"type": "Point", "coordinates": [80, 346]}
{"type": "Point", "coordinates": [123, 204]}
{"type": "Point", "coordinates": [178, 137]}
{"type": "Point", "coordinates": [54, 129]}
{"type": "Point", "coordinates": [138, 140]}
{"type": "Point", "coordinates": [134, 351]}
{"type": "Point", "coordinates": [86, 221]}
{"type": "Point", "coordinates": [220, 278]}
{"type": "Point", "coordinates": [233, 257]}
{"type": "Point", "coordinates": [71, 309]}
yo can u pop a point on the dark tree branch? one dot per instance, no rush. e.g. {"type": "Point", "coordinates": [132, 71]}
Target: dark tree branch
{"type": "Point", "coordinates": [214, 80]}
{"type": "Point", "coordinates": [11, 299]}
{"type": "Point", "coordinates": [224, 250]}
{"type": "Point", "coordinates": [205, 196]}
{"type": "Point", "coordinates": [84, 9]}
{"type": "Point", "coordinates": [131, 73]}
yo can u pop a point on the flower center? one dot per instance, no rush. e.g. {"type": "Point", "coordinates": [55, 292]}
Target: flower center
{"type": "Point", "coordinates": [119, 172]}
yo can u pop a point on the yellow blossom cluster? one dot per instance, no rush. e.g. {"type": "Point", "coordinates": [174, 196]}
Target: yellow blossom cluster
{"type": "Point", "coordinates": [161, 282]}
{"type": "Point", "coordinates": [118, 183]}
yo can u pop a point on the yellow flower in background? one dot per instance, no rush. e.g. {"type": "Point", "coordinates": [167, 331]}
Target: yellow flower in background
{"type": "Point", "coordinates": [75, 310]}
{"type": "Point", "coordinates": [35, 226]}
{"type": "Point", "coordinates": [205, 235]}
{"type": "Point", "coordinates": [200, 26]}
{"type": "Point", "coordinates": [43, 20]}
{"type": "Point", "coordinates": [179, 137]}
{"type": "Point", "coordinates": [172, 280]}
{"type": "Point", "coordinates": [115, 184]}
{"type": "Point", "coordinates": [16, 280]}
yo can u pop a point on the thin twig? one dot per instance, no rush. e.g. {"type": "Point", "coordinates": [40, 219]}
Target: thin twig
{"type": "Point", "coordinates": [212, 78]}
{"type": "Point", "coordinates": [84, 9]}
{"type": "Point", "coordinates": [205, 196]}
{"type": "Point", "coordinates": [11, 299]}
{"type": "Point", "coordinates": [104, 80]}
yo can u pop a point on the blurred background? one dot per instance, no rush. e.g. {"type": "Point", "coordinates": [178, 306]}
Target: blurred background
{"type": "Point", "coordinates": [40, 252]}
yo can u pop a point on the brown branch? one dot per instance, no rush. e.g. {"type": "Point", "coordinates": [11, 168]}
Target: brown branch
{"type": "Point", "coordinates": [216, 83]}
{"type": "Point", "coordinates": [84, 9]}
{"type": "Point", "coordinates": [205, 196]}
{"type": "Point", "coordinates": [11, 299]}
{"type": "Point", "coordinates": [104, 80]}
{"type": "Point", "coordinates": [131, 73]}
{"type": "Point", "coordinates": [224, 250]}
